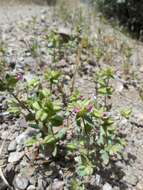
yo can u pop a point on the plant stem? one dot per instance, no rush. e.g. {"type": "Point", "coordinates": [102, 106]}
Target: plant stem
{"type": "Point", "coordinates": [22, 105]}
{"type": "Point", "coordinates": [76, 68]}
{"type": "Point", "coordinates": [106, 134]}
{"type": "Point", "coordinates": [87, 136]}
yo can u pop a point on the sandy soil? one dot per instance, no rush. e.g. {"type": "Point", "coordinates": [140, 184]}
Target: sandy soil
{"type": "Point", "coordinates": [14, 10]}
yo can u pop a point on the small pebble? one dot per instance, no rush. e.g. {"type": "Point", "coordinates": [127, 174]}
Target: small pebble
{"type": "Point", "coordinates": [31, 187]}
{"type": "Point", "coordinates": [15, 156]}
{"type": "Point", "coordinates": [107, 186]}
{"type": "Point", "coordinates": [12, 146]}
{"type": "Point", "coordinates": [21, 183]}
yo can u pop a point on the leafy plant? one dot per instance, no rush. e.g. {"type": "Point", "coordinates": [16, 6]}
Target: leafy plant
{"type": "Point", "coordinates": [53, 77]}
{"type": "Point", "coordinates": [56, 46]}
{"type": "Point", "coordinates": [90, 140]}
{"type": "Point", "coordinates": [96, 140]}
{"type": "Point", "coordinates": [126, 113]}
{"type": "Point", "coordinates": [103, 88]}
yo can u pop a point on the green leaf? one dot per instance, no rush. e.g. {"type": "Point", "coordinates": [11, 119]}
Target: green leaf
{"type": "Point", "coordinates": [107, 122]}
{"type": "Point", "coordinates": [44, 116]}
{"type": "Point", "coordinates": [102, 91]}
{"type": "Point", "coordinates": [11, 81]}
{"type": "Point", "coordinates": [88, 127]}
{"type": "Point", "coordinates": [76, 185]}
{"type": "Point", "coordinates": [39, 114]}
{"type": "Point", "coordinates": [36, 106]}
{"type": "Point", "coordinates": [45, 92]}
{"type": "Point", "coordinates": [2, 86]}
{"type": "Point", "coordinates": [78, 122]}
{"type": "Point", "coordinates": [117, 148]}
{"type": "Point", "coordinates": [33, 83]}
{"type": "Point", "coordinates": [97, 113]}
{"type": "Point", "coordinates": [57, 106]}
{"type": "Point", "coordinates": [57, 120]}
{"type": "Point", "coordinates": [85, 170]}
{"type": "Point", "coordinates": [30, 117]}
{"type": "Point", "coordinates": [50, 139]}
{"type": "Point", "coordinates": [35, 126]}
{"type": "Point", "coordinates": [84, 166]}
{"type": "Point", "coordinates": [61, 134]}
{"type": "Point", "coordinates": [104, 157]}
{"type": "Point", "coordinates": [75, 96]}
{"type": "Point", "coordinates": [109, 72]}
{"type": "Point", "coordinates": [126, 113]}
{"type": "Point", "coordinates": [47, 105]}
{"type": "Point", "coordinates": [31, 142]}
{"type": "Point", "coordinates": [72, 146]}
{"type": "Point", "coordinates": [14, 110]}
{"type": "Point", "coordinates": [52, 76]}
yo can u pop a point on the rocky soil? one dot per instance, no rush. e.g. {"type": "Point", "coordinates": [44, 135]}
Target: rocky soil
{"type": "Point", "coordinates": [19, 170]}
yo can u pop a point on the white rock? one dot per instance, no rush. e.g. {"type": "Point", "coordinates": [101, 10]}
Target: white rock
{"type": "Point", "coordinates": [64, 30]}
{"type": "Point", "coordinates": [140, 185]}
{"type": "Point", "coordinates": [57, 185]}
{"type": "Point", "coordinates": [15, 156]}
{"type": "Point", "coordinates": [141, 69]}
{"type": "Point", "coordinates": [23, 137]}
{"type": "Point", "coordinates": [119, 87]}
{"type": "Point", "coordinates": [107, 186]}
{"type": "Point", "coordinates": [20, 182]}
{"type": "Point", "coordinates": [12, 146]}
{"type": "Point", "coordinates": [31, 187]}
{"type": "Point", "coordinates": [5, 135]}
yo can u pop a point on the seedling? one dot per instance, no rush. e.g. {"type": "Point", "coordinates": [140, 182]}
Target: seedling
{"type": "Point", "coordinates": [103, 88]}
{"type": "Point", "coordinates": [52, 77]}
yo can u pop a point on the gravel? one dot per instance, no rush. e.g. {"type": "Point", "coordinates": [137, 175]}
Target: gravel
{"type": "Point", "coordinates": [12, 146]}
{"type": "Point", "coordinates": [107, 186]}
{"type": "Point", "coordinates": [12, 33]}
{"type": "Point", "coordinates": [20, 183]}
{"type": "Point", "coordinates": [15, 156]}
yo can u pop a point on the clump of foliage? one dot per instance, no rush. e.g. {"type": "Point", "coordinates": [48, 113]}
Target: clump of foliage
{"type": "Point", "coordinates": [84, 131]}
{"type": "Point", "coordinates": [81, 130]}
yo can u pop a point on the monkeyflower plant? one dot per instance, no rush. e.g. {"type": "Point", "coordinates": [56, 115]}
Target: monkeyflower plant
{"type": "Point", "coordinates": [96, 140]}
{"type": "Point", "coordinates": [84, 129]}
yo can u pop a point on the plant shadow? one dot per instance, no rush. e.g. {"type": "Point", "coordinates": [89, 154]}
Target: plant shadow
{"type": "Point", "coordinates": [114, 175]}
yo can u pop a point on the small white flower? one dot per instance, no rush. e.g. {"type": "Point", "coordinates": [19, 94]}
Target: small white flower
{"type": "Point", "coordinates": [94, 97]}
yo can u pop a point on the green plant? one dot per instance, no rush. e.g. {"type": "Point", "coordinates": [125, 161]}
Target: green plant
{"type": "Point", "coordinates": [52, 77]}
{"type": "Point", "coordinates": [103, 87]}
{"type": "Point", "coordinates": [77, 185]}
{"type": "Point", "coordinates": [94, 142]}
{"type": "Point", "coordinates": [126, 113]}
{"type": "Point", "coordinates": [56, 46]}
{"type": "Point", "coordinates": [47, 117]}
{"type": "Point", "coordinates": [40, 110]}
{"type": "Point", "coordinates": [33, 47]}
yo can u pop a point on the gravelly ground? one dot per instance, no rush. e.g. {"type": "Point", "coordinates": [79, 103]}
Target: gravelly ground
{"type": "Point", "coordinates": [10, 15]}
{"type": "Point", "coordinates": [14, 10]}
